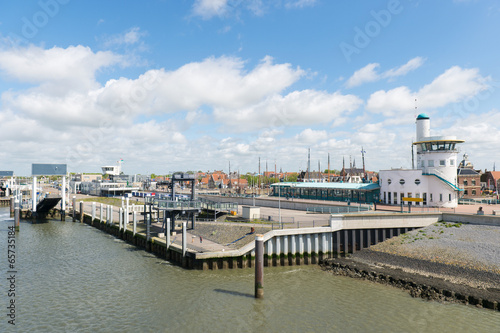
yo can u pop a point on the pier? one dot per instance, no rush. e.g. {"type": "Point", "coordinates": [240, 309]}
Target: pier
{"type": "Point", "coordinates": [342, 235]}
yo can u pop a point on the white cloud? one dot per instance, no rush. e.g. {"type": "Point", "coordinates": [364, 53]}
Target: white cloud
{"type": "Point", "coordinates": [300, 3]}
{"type": "Point", "coordinates": [215, 82]}
{"type": "Point", "coordinates": [404, 69]}
{"type": "Point", "coordinates": [309, 136]}
{"type": "Point", "coordinates": [369, 72]}
{"type": "Point", "coordinates": [71, 68]}
{"type": "Point", "coordinates": [210, 8]}
{"type": "Point", "coordinates": [364, 75]}
{"type": "Point", "coordinates": [129, 37]}
{"type": "Point", "coordinates": [454, 85]}
{"type": "Point", "coordinates": [207, 9]}
{"type": "Point", "coordinates": [298, 108]}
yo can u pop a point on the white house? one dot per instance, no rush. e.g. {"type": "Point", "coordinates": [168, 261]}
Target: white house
{"type": "Point", "coordinates": [435, 177]}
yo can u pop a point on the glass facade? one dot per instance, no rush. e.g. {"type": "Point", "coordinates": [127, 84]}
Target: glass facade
{"type": "Point", "coordinates": [327, 193]}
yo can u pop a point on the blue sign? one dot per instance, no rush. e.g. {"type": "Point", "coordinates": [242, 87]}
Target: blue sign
{"type": "Point", "coordinates": [49, 169]}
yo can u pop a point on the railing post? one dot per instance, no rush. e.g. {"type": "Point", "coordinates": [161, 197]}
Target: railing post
{"type": "Point", "coordinates": [135, 223]}
{"type": "Point", "coordinates": [74, 208]}
{"type": "Point", "coordinates": [81, 212]}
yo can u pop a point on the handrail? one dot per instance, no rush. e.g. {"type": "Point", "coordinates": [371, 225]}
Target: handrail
{"type": "Point", "coordinates": [453, 186]}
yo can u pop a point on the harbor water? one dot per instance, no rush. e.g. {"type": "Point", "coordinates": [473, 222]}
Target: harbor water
{"type": "Point", "coordinates": [70, 277]}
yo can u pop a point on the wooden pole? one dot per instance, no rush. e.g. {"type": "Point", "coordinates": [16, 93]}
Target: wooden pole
{"type": "Point", "coordinates": [259, 266]}
{"type": "Point", "coordinates": [81, 212]}
{"type": "Point", "coordinates": [17, 215]}
{"type": "Point", "coordinates": [74, 208]}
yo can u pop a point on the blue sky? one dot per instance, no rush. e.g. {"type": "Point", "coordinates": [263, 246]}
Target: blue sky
{"type": "Point", "coordinates": [190, 85]}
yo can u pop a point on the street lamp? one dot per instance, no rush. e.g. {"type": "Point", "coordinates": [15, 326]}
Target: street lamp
{"type": "Point", "coordinates": [279, 206]}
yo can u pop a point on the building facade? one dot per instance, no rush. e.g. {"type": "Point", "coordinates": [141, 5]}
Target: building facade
{"type": "Point", "coordinates": [347, 192]}
{"type": "Point", "coordinates": [434, 180]}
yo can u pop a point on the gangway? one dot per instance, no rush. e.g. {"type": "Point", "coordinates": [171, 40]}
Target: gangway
{"type": "Point", "coordinates": [47, 203]}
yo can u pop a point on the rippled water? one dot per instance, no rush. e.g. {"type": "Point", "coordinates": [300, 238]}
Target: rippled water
{"type": "Point", "coordinates": [74, 278]}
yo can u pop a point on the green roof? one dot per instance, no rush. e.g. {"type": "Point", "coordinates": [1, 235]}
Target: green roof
{"type": "Point", "coordinates": [336, 186]}
{"type": "Point", "coordinates": [423, 116]}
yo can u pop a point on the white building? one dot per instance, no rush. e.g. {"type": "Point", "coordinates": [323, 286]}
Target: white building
{"type": "Point", "coordinates": [435, 178]}
{"type": "Point", "coordinates": [113, 170]}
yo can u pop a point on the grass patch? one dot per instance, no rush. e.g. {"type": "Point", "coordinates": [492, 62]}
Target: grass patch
{"type": "Point", "coordinates": [107, 201]}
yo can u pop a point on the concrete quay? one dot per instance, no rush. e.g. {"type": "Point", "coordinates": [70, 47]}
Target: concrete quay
{"type": "Point", "coordinates": [343, 235]}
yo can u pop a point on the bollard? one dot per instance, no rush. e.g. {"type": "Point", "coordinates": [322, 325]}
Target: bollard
{"type": "Point", "coordinates": [135, 223]}
{"type": "Point", "coordinates": [125, 218]}
{"type": "Point", "coordinates": [93, 212]}
{"type": "Point", "coordinates": [12, 206]}
{"type": "Point", "coordinates": [17, 215]}
{"type": "Point", "coordinates": [259, 266]}
{"type": "Point", "coordinates": [147, 218]}
{"type": "Point", "coordinates": [74, 209]}
{"type": "Point", "coordinates": [184, 239]}
{"type": "Point", "coordinates": [120, 219]}
{"type": "Point", "coordinates": [81, 212]}
{"type": "Point", "coordinates": [110, 216]}
{"type": "Point", "coordinates": [167, 234]}
{"type": "Point", "coordinates": [100, 216]}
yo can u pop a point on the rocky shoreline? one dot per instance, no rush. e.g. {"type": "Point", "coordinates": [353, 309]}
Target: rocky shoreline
{"type": "Point", "coordinates": [422, 278]}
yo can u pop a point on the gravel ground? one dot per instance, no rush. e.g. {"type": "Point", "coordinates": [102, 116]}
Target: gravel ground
{"type": "Point", "coordinates": [474, 247]}
{"type": "Point", "coordinates": [227, 233]}
{"type": "Point", "coordinates": [461, 258]}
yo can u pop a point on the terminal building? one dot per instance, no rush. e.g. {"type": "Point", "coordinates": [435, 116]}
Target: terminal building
{"type": "Point", "coordinates": [434, 180]}
{"type": "Point", "coordinates": [348, 192]}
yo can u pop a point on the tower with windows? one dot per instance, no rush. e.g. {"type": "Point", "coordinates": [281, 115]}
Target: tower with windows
{"type": "Point", "coordinates": [434, 180]}
{"type": "Point", "coordinates": [436, 155]}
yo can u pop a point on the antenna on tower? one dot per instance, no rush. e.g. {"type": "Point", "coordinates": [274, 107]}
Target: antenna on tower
{"type": "Point", "coordinates": [308, 164]}
{"type": "Point", "coordinates": [328, 167]}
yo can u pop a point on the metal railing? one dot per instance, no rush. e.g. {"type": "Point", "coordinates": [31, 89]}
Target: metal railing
{"type": "Point", "coordinates": [338, 209]}
{"type": "Point", "coordinates": [478, 201]}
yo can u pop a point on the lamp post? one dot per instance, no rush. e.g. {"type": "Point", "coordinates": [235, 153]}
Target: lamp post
{"type": "Point", "coordinates": [279, 206]}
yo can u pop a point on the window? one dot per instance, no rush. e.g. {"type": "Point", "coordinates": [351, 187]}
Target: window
{"type": "Point", "coordinates": [417, 181]}
{"type": "Point", "coordinates": [395, 197]}
{"type": "Point", "coordinates": [389, 181]}
{"type": "Point", "coordinates": [423, 164]}
{"type": "Point", "coordinates": [473, 192]}
{"type": "Point", "coordinates": [430, 197]}
{"type": "Point", "coordinates": [430, 163]}
{"type": "Point", "coordinates": [466, 192]}
{"type": "Point", "coordinates": [442, 163]}
{"type": "Point", "coordinates": [473, 182]}
{"type": "Point", "coordinates": [452, 162]}
{"type": "Point", "coordinates": [402, 181]}
{"type": "Point", "coordinates": [449, 197]}
{"type": "Point", "coordinates": [465, 182]}
{"type": "Point", "coordinates": [441, 197]}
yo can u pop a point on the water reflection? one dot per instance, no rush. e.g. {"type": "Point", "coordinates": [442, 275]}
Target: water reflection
{"type": "Point", "coordinates": [74, 278]}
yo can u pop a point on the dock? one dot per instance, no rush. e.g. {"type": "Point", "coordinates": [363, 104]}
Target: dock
{"type": "Point", "coordinates": [342, 235]}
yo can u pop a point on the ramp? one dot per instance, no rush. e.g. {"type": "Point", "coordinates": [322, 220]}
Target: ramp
{"type": "Point", "coordinates": [47, 204]}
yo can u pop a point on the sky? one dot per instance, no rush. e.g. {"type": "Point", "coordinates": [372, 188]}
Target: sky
{"type": "Point", "coordinates": [178, 85]}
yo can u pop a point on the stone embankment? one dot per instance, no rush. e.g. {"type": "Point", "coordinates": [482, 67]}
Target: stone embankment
{"type": "Point", "coordinates": [448, 262]}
